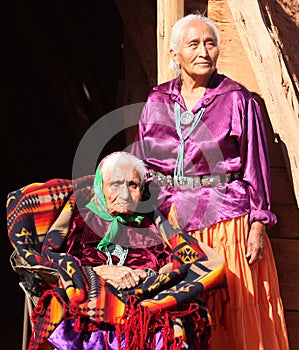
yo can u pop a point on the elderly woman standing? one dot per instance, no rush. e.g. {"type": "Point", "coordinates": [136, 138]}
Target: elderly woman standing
{"type": "Point", "coordinates": [203, 137]}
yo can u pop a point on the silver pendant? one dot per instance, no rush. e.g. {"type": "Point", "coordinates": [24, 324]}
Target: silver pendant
{"type": "Point", "coordinates": [186, 117]}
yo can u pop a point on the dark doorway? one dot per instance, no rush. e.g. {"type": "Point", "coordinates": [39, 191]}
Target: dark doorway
{"type": "Point", "coordinates": [61, 63]}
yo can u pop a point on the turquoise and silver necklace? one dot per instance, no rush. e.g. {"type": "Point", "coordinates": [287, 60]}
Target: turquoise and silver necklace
{"type": "Point", "coordinates": [185, 118]}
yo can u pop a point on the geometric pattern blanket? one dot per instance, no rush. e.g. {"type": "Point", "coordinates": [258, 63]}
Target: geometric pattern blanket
{"type": "Point", "coordinates": [38, 219]}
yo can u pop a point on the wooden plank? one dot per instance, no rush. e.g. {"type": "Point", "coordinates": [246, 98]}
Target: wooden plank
{"type": "Point", "coordinates": [288, 221]}
{"type": "Point", "coordinates": [286, 253]}
{"type": "Point", "coordinates": [274, 146]}
{"type": "Point", "coordinates": [281, 189]}
{"type": "Point", "coordinates": [231, 47]}
{"type": "Point", "coordinates": [168, 12]}
{"type": "Point", "coordinates": [270, 69]}
{"type": "Point", "coordinates": [292, 321]}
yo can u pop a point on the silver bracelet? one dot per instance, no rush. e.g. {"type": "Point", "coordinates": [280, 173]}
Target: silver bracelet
{"type": "Point", "coordinates": [150, 272]}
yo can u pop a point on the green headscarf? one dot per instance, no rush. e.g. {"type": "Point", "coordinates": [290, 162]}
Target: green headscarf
{"type": "Point", "coordinates": [98, 205]}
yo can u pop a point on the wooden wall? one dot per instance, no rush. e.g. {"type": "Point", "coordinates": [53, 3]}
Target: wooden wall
{"type": "Point", "coordinates": [284, 236]}
{"type": "Point", "coordinates": [65, 66]}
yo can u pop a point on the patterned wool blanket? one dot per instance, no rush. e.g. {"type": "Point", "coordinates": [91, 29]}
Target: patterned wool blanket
{"type": "Point", "coordinates": [38, 220]}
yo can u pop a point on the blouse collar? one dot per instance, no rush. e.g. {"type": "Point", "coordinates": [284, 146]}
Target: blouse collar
{"type": "Point", "coordinates": [219, 84]}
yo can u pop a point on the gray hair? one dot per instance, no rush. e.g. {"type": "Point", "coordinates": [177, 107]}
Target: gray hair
{"type": "Point", "coordinates": [178, 31]}
{"type": "Point", "coordinates": [115, 158]}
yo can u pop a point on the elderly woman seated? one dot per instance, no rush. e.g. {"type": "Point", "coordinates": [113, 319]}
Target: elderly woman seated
{"type": "Point", "coordinates": [125, 281]}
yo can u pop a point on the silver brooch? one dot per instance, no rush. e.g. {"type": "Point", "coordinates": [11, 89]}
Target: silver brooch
{"type": "Point", "coordinates": [186, 117]}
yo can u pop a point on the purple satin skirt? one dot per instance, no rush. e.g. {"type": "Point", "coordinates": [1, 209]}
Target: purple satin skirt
{"type": "Point", "coordinates": [65, 338]}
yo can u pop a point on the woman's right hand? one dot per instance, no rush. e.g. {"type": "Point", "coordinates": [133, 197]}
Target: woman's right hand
{"type": "Point", "coordinates": [121, 277]}
{"type": "Point", "coordinates": [256, 242]}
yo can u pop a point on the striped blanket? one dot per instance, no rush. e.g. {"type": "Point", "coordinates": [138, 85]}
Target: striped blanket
{"type": "Point", "coordinates": [38, 220]}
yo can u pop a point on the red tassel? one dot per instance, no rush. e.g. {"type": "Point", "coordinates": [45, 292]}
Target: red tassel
{"type": "Point", "coordinates": [84, 324]}
{"type": "Point", "coordinates": [138, 326]}
{"type": "Point", "coordinates": [106, 341]}
{"type": "Point", "coordinates": [210, 298]}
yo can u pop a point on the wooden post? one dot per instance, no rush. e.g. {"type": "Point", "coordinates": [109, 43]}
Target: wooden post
{"type": "Point", "coordinates": [168, 12]}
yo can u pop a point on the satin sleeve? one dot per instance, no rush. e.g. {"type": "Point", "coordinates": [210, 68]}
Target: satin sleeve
{"type": "Point", "coordinates": [256, 166]}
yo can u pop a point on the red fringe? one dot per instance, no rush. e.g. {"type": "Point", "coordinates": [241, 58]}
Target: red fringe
{"type": "Point", "coordinates": [39, 334]}
{"type": "Point", "coordinates": [84, 324]}
{"type": "Point", "coordinates": [209, 298]}
{"type": "Point", "coordinates": [139, 327]}
{"type": "Point", "coordinates": [78, 298]}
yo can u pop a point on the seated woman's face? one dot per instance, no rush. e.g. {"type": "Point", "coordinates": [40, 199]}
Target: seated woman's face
{"type": "Point", "coordinates": [122, 189]}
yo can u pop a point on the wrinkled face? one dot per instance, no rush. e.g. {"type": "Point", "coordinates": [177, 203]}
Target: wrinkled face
{"type": "Point", "coordinates": [122, 189]}
{"type": "Point", "coordinates": [198, 52]}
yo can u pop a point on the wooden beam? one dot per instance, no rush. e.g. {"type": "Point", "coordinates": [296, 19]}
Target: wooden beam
{"type": "Point", "coordinates": [168, 12]}
{"type": "Point", "coordinates": [286, 252]}
{"type": "Point", "coordinates": [274, 81]}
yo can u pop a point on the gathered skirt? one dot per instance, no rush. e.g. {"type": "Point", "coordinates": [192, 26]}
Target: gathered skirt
{"type": "Point", "coordinates": [253, 316]}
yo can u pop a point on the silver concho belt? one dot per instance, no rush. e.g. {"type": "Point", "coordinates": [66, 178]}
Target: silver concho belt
{"type": "Point", "coordinates": [208, 180]}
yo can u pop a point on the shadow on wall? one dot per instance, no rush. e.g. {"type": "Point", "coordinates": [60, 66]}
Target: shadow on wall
{"type": "Point", "coordinates": [284, 203]}
{"type": "Point", "coordinates": [283, 22]}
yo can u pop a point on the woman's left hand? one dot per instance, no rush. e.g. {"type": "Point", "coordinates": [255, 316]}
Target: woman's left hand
{"type": "Point", "coordinates": [255, 242]}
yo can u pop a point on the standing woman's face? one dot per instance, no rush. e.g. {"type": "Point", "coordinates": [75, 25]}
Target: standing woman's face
{"type": "Point", "coordinates": [198, 52]}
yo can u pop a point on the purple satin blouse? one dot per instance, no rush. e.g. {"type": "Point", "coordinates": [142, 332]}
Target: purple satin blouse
{"type": "Point", "coordinates": [146, 249]}
{"type": "Point", "coordinates": [230, 137]}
